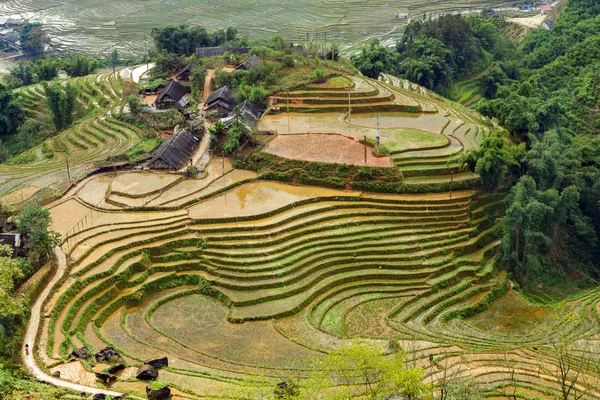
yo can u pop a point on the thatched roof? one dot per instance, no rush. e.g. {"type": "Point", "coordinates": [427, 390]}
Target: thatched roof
{"type": "Point", "coordinates": [222, 97]}
{"type": "Point", "coordinates": [174, 91]}
{"type": "Point", "coordinates": [251, 111]}
{"type": "Point", "coordinates": [187, 69]}
{"type": "Point", "coordinates": [253, 63]}
{"type": "Point", "coordinates": [175, 150]}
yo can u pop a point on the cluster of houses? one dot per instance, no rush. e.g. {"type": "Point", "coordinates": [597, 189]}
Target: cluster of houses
{"type": "Point", "coordinates": [9, 39]}
{"type": "Point", "coordinates": [176, 150]}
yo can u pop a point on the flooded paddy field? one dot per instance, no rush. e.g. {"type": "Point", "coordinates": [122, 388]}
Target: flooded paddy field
{"type": "Point", "coordinates": [97, 27]}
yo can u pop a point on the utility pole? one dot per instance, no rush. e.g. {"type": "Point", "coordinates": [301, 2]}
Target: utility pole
{"type": "Point", "coordinates": [146, 51]}
{"type": "Point", "coordinates": [68, 170]}
{"type": "Point", "coordinates": [451, 176]}
{"type": "Point", "coordinates": [348, 89]}
{"type": "Point", "coordinates": [223, 162]}
{"type": "Point", "coordinates": [365, 142]}
{"type": "Point", "coordinates": [377, 135]}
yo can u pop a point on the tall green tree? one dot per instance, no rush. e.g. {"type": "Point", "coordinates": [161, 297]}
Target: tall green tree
{"type": "Point", "coordinates": [33, 37]}
{"type": "Point", "coordinates": [34, 222]}
{"type": "Point", "coordinates": [11, 111]}
{"type": "Point", "coordinates": [61, 102]}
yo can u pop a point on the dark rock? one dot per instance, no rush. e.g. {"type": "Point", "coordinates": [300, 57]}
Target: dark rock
{"type": "Point", "coordinates": [116, 368]}
{"type": "Point", "coordinates": [56, 374]}
{"type": "Point", "coordinates": [158, 362]}
{"type": "Point", "coordinates": [146, 373]}
{"type": "Point", "coordinates": [106, 378]}
{"type": "Point", "coordinates": [99, 396]}
{"type": "Point", "coordinates": [82, 353]}
{"type": "Point", "coordinates": [107, 354]}
{"type": "Point", "coordinates": [158, 394]}
{"type": "Point", "coordinates": [285, 390]}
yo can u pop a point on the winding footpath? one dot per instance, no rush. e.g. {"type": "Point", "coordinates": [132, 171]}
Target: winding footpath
{"type": "Point", "coordinates": [32, 328]}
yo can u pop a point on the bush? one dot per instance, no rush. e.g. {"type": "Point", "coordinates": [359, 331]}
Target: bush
{"type": "Point", "coordinates": [191, 171]}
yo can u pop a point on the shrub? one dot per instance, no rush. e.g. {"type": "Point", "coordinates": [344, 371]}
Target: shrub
{"type": "Point", "coordinates": [191, 171]}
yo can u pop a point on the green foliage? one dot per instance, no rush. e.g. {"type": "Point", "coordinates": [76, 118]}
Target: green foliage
{"type": "Point", "coordinates": [79, 65]}
{"type": "Point", "coordinates": [191, 171]}
{"type": "Point", "coordinates": [360, 368]}
{"type": "Point", "coordinates": [197, 78]}
{"type": "Point", "coordinates": [162, 120]}
{"type": "Point", "coordinates": [374, 59]}
{"type": "Point", "coordinates": [33, 38]}
{"type": "Point", "coordinates": [61, 102]}
{"type": "Point", "coordinates": [492, 159]}
{"type": "Point", "coordinates": [133, 102]}
{"type": "Point", "coordinates": [33, 222]}
{"type": "Point", "coordinates": [232, 140]}
{"type": "Point", "coordinates": [167, 63]}
{"type": "Point", "coordinates": [183, 39]}
{"type": "Point", "coordinates": [11, 111]}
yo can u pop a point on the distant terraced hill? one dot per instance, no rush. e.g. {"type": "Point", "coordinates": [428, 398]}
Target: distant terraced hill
{"type": "Point", "coordinates": [92, 139]}
{"type": "Point", "coordinates": [88, 26]}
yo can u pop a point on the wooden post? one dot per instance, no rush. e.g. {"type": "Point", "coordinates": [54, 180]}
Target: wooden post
{"type": "Point", "coordinates": [365, 148]}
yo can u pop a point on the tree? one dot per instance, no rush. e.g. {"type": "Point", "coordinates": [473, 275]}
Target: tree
{"type": "Point", "coordinates": [493, 159]}
{"type": "Point", "coordinates": [362, 370]}
{"type": "Point", "coordinates": [46, 69]}
{"type": "Point", "coordinates": [197, 79]}
{"type": "Point", "coordinates": [79, 65]}
{"type": "Point", "coordinates": [133, 102]}
{"type": "Point", "coordinates": [11, 309]}
{"type": "Point", "coordinates": [34, 222]}
{"type": "Point", "coordinates": [33, 38]}
{"type": "Point", "coordinates": [11, 111]}
{"type": "Point", "coordinates": [61, 103]}
{"type": "Point", "coordinates": [232, 141]}
{"type": "Point", "coordinates": [114, 58]}
{"type": "Point", "coordinates": [374, 59]}
{"type": "Point", "coordinates": [492, 80]}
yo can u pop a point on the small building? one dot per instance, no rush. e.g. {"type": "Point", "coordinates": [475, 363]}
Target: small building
{"type": "Point", "coordinates": [197, 126]}
{"type": "Point", "coordinates": [183, 103]}
{"type": "Point", "coordinates": [10, 40]}
{"type": "Point", "coordinates": [220, 101]}
{"type": "Point", "coordinates": [174, 152]}
{"type": "Point", "coordinates": [13, 22]}
{"type": "Point", "coordinates": [170, 95]}
{"type": "Point", "coordinates": [254, 63]}
{"type": "Point", "coordinates": [183, 76]}
{"type": "Point", "coordinates": [251, 112]}
{"type": "Point", "coordinates": [15, 242]}
{"type": "Point", "coordinates": [545, 10]}
{"type": "Point", "coordinates": [547, 24]}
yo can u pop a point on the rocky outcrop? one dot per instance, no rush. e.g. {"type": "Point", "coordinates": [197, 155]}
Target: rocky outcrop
{"type": "Point", "coordinates": [105, 378]}
{"type": "Point", "coordinates": [146, 373]}
{"type": "Point", "coordinates": [82, 353]}
{"type": "Point", "coordinates": [107, 354]}
{"type": "Point", "coordinates": [116, 368]}
{"type": "Point", "coordinates": [158, 394]}
{"type": "Point", "coordinates": [158, 362]}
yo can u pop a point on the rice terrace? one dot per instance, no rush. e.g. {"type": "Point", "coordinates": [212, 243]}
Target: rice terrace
{"type": "Point", "coordinates": [249, 224]}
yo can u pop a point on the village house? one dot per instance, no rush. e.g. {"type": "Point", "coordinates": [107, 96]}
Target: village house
{"type": "Point", "coordinates": [183, 76]}
{"type": "Point", "coordinates": [174, 152]}
{"type": "Point", "coordinates": [547, 24]}
{"type": "Point", "coordinates": [10, 40]}
{"type": "Point", "coordinates": [15, 241]}
{"type": "Point", "coordinates": [169, 96]}
{"type": "Point", "coordinates": [221, 102]}
{"type": "Point", "coordinates": [254, 63]}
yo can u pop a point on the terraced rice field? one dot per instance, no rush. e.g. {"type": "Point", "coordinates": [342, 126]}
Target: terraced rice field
{"type": "Point", "coordinates": [98, 27]}
{"type": "Point", "coordinates": [242, 282]}
{"type": "Point", "coordinates": [241, 286]}
{"type": "Point", "coordinates": [424, 134]}
{"type": "Point", "coordinates": [92, 139]}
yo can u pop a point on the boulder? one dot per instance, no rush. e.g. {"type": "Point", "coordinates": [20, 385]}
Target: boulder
{"type": "Point", "coordinates": [158, 394]}
{"type": "Point", "coordinates": [116, 368]}
{"type": "Point", "coordinates": [158, 362]}
{"type": "Point", "coordinates": [99, 396]}
{"type": "Point", "coordinates": [56, 374]}
{"type": "Point", "coordinates": [82, 353]}
{"type": "Point", "coordinates": [106, 378]}
{"type": "Point", "coordinates": [107, 354]}
{"type": "Point", "coordinates": [146, 373]}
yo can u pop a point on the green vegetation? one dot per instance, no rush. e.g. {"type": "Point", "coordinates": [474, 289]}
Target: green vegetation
{"type": "Point", "coordinates": [183, 39]}
{"type": "Point", "coordinates": [11, 111]}
{"type": "Point", "coordinates": [34, 223]}
{"type": "Point", "coordinates": [33, 38]}
{"type": "Point", "coordinates": [61, 103]}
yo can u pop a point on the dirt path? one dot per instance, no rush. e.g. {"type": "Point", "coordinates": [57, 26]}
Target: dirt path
{"type": "Point", "coordinates": [198, 156]}
{"type": "Point", "coordinates": [32, 328]}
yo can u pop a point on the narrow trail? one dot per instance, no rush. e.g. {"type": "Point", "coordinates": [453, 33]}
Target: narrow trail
{"type": "Point", "coordinates": [32, 328]}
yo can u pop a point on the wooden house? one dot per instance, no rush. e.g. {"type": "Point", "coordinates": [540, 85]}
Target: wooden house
{"type": "Point", "coordinates": [220, 101]}
{"type": "Point", "coordinates": [174, 152]}
{"type": "Point", "coordinates": [254, 63]}
{"type": "Point", "coordinates": [183, 76]}
{"type": "Point", "coordinates": [15, 241]}
{"type": "Point", "coordinates": [170, 95]}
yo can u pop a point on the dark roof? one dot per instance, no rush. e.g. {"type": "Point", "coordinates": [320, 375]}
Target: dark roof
{"type": "Point", "coordinates": [222, 97]}
{"type": "Point", "coordinates": [253, 62]}
{"type": "Point", "coordinates": [251, 111]}
{"type": "Point", "coordinates": [174, 90]}
{"type": "Point", "coordinates": [182, 103]}
{"type": "Point", "coordinates": [188, 68]}
{"type": "Point", "coordinates": [548, 23]}
{"type": "Point", "coordinates": [176, 149]}
{"type": "Point", "coordinates": [11, 239]}
{"type": "Point", "coordinates": [11, 37]}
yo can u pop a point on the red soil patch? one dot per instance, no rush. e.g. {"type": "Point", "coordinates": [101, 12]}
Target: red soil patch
{"type": "Point", "coordinates": [325, 148]}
